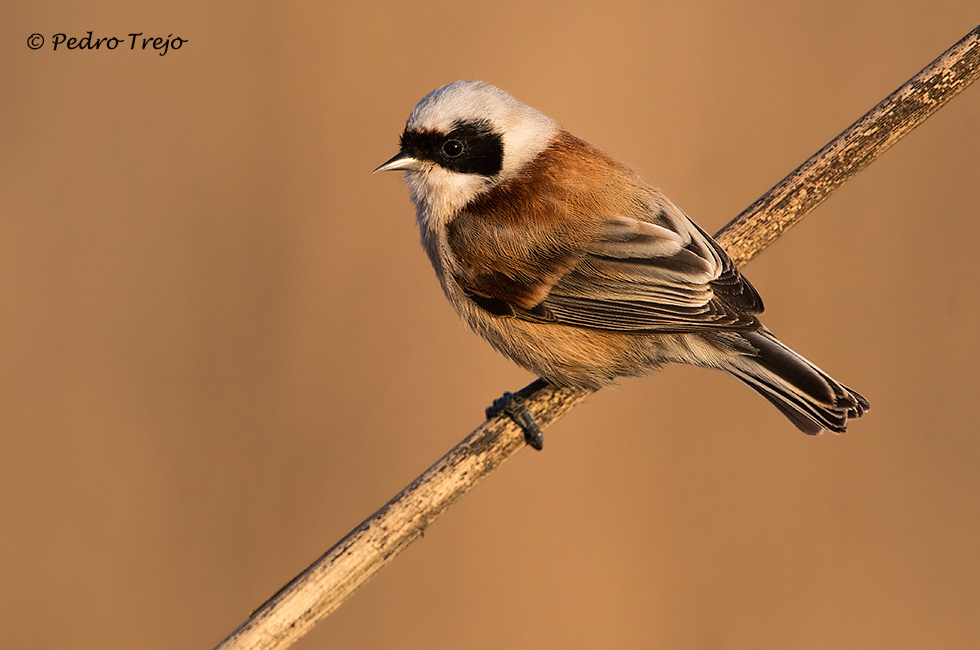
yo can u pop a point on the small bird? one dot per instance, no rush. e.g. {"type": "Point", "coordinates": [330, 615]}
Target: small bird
{"type": "Point", "coordinates": [571, 265]}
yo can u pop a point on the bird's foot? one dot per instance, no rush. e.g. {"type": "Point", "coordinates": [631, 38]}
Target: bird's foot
{"type": "Point", "coordinates": [516, 408]}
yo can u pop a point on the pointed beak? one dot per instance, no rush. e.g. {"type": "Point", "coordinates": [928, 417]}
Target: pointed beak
{"type": "Point", "coordinates": [401, 161]}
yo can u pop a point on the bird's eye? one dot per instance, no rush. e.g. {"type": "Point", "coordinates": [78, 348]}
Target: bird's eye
{"type": "Point", "coordinates": [452, 148]}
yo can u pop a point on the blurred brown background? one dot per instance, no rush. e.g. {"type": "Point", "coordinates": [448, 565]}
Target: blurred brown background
{"type": "Point", "coordinates": [221, 346]}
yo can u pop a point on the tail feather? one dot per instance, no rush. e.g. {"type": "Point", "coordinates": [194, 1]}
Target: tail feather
{"type": "Point", "coordinates": [801, 391]}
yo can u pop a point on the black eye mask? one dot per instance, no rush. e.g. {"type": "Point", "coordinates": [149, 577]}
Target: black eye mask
{"type": "Point", "coordinates": [471, 147]}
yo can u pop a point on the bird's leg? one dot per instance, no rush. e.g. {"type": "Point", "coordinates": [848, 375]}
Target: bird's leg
{"type": "Point", "coordinates": [514, 405]}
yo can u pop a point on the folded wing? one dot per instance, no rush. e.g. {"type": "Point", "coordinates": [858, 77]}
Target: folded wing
{"type": "Point", "coordinates": [661, 275]}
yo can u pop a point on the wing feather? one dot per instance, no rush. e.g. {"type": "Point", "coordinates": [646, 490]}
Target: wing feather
{"type": "Point", "coordinates": [653, 277]}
